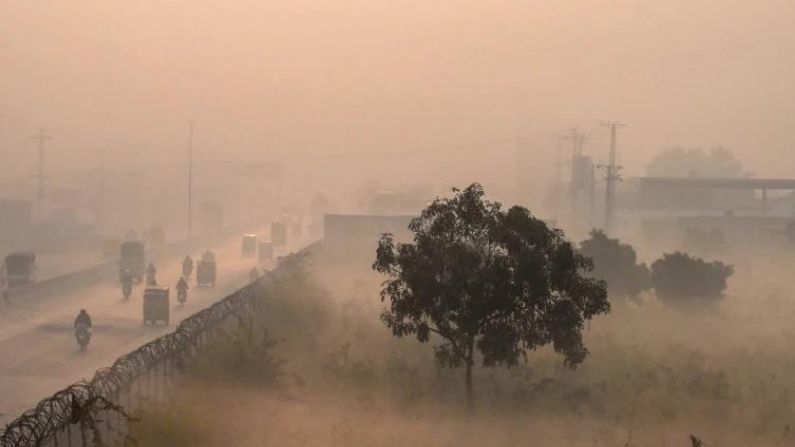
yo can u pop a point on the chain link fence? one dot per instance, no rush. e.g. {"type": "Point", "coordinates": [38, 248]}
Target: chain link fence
{"type": "Point", "coordinates": [97, 412]}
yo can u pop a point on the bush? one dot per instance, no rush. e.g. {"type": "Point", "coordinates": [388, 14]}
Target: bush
{"type": "Point", "coordinates": [684, 278]}
{"type": "Point", "coordinates": [616, 264]}
{"type": "Point", "coordinates": [243, 355]}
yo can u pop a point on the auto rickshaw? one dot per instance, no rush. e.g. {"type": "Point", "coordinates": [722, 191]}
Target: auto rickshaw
{"type": "Point", "coordinates": [156, 305]}
{"type": "Point", "coordinates": [278, 234]}
{"type": "Point", "coordinates": [205, 270]}
{"type": "Point", "coordinates": [20, 268]}
{"type": "Point", "coordinates": [265, 252]}
{"type": "Point", "coordinates": [249, 245]}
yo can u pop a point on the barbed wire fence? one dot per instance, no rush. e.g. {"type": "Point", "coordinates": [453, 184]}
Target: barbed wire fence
{"type": "Point", "coordinates": [97, 412]}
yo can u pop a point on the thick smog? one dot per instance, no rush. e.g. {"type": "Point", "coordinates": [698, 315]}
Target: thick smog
{"type": "Point", "coordinates": [368, 223]}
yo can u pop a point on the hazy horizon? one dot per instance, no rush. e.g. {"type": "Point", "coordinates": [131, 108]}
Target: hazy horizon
{"type": "Point", "coordinates": [293, 80]}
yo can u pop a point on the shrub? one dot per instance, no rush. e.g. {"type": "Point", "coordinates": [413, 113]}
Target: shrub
{"type": "Point", "coordinates": [616, 263]}
{"type": "Point", "coordinates": [688, 279]}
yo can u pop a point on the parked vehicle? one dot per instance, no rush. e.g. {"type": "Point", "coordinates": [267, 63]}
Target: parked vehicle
{"type": "Point", "coordinates": [156, 305]}
{"type": "Point", "coordinates": [20, 268]}
{"type": "Point", "coordinates": [249, 245]}
{"type": "Point", "coordinates": [132, 257]}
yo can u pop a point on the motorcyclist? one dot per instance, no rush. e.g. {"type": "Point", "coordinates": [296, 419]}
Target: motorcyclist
{"type": "Point", "coordinates": [182, 285]}
{"type": "Point", "coordinates": [187, 266]}
{"type": "Point", "coordinates": [83, 319]}
{"type": "Point", "coordinates": [151, 273]}
{"type": "Point", "coordinates": [126, 279]}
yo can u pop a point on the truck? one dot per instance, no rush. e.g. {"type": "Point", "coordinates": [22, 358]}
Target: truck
{"type": "Point", "coordinates": [249, 245]}
{"type": "Point", "coordinates": [132, 257]}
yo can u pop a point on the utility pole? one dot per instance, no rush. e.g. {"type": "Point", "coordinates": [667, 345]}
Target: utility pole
{"type": "Point", "coordinates": [577, 139]}
{"type": "Point", "coordinates": [557, 187]}
{"type": "Point", "coordinates": [42, 138]}
{"type": "Point", "coordinates": [190, 182]}
{"type": "Point", "coordinates": [101, 192]}
{"type": "Point", "coordinates": [611, 173]}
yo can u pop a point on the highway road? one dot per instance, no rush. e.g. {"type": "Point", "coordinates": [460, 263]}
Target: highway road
{"type": "Point", "coordinates": [38, 352]}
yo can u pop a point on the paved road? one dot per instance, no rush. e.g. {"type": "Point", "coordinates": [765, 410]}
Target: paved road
{"type": "Point", "coordinates": [38, 352]}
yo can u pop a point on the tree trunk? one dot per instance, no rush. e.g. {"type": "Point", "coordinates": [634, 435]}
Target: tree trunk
{"type": "Point", "coordinates": [469, 362]}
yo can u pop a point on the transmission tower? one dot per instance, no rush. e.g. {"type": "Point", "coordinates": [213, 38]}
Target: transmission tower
{"type": "Point", "coordinates": [611, 173]}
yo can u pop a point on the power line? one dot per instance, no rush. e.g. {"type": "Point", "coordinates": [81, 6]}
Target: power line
{"type": "Point", "coordinates": [441, 148]}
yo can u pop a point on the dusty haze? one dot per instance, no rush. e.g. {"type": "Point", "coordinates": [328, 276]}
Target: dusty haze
{"type": "Point", "coordinates": [337, 86]}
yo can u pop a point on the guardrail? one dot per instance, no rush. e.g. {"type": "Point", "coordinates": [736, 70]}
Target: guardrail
{"type": "Point", "coordinates": [107, 270]}
{"type": "Point", "coordinates": [92, 413]}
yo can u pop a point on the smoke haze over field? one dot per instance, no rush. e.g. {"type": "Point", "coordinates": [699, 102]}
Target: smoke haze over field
{"type": "Point", "coordinates": [292, 80]}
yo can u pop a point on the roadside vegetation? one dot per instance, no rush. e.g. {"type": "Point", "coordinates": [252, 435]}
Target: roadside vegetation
{"type": "Point", "coordinates": [316, 366]}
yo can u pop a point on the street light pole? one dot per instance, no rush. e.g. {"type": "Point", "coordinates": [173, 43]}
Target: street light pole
{"type": "Point", "coordinates": [190, 182]}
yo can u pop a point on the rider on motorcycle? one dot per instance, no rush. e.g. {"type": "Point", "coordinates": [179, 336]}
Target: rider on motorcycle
{"type": "Point", "coordinates": [151, 271]}
{"type": "Point", "coordinates": [187, 266]}
{"type": "Point", "coordinates": [83, 319]}
{"type": "Point", "coordinates": [126, 279]}
{"type": "Point", "coordinates": [182, 286]}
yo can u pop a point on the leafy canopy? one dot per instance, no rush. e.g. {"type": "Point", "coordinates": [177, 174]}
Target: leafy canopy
{"type": "Point", "coordinates": [616, 264]}
{"type": "Point", "coordinates": [487, 280]}
{"type": "Point", "coordinates": [681, 277]}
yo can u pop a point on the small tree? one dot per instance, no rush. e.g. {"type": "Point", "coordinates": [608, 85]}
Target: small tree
{"type": "Point", "coordinates": [616, 264]}
{"type": "Point", "coordinates": [487, 280]}
{"type": "Point", "coordinates": [682, 278]}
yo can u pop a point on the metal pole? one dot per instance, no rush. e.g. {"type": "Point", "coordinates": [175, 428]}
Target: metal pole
{"type": "Point", "coordinates": [611, 171]}
{"type": "Point", "coordinates": [41, 137]}
{"type": "Point", "coordinates": [190, 182]}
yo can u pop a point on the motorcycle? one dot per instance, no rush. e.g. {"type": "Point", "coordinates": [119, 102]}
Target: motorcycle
{"type": "Point", "coordinates": [83, 336]}
{"type": "Point", "coordinates": [182, 296]}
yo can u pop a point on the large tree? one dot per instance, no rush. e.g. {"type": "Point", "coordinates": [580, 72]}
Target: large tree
{"type": "Point", "coordinates": [617, 264]}
{"type": "Point", "coordinates": [488, 281]}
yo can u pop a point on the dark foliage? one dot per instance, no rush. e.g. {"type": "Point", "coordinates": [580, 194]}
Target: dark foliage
{"type": "Point", "coordinates": [684, 278]}
{"type": "Point", "coordinates": [617, 264]}
{"type": "Point", "coordinates": [490, 281]}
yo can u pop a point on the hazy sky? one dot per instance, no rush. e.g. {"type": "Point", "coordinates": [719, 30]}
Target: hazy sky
{"type": "Point", "coordinates": [318, 76]}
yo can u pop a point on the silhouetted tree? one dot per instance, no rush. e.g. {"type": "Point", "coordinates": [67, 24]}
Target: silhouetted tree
{"type": "Point", "coordinates": [679, 277]}
{"type": "Point", "coordinates": [616, 264]}
{"type": "Point", "coordinates": [680, 162]}
{"type": "Point", "coordinates": [497, 282]}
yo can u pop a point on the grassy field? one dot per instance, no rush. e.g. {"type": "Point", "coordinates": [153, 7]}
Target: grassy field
{"type": "Point", "coordinates": [326, 372]}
